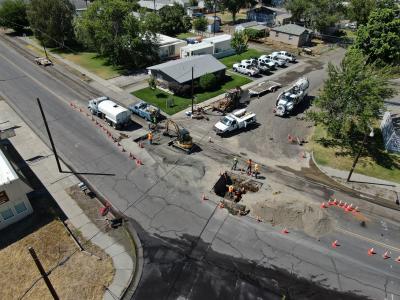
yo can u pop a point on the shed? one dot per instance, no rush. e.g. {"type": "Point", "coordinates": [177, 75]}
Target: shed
{"type": "Point", "coordinates": [262, 15]}
{"type": "Point", "coordinates": [290, 34]}
{"type": "Point", "coordinates": [196, 49]}
{"type": "Point", "coordinates": [169, 47]}
{"type": "Point", "coordinates": [243, 26]}
{"type": "Point", "coordinates": [180, 70]}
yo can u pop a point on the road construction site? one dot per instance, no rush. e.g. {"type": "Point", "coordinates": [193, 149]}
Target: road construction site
{"type": "Point", "coordinates": [289, 243]}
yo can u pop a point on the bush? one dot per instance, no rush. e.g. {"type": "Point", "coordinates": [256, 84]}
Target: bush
{"type": "Point", "coordinates": [183, 90]}
{"type": "Point", "coordinates": [208, 82]}
{"type": "Point", "coordinates": [200, 24]}
{"type": "Point", "coordinates": [254, 34]}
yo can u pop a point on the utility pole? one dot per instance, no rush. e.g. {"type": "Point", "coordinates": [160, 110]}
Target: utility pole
{"type": "Point", "coordinates": [154, 1]}
{"type": "Point", "coordinates": [192, 91]}
{"type": "Point", "coordinates": [359, 153]}
{"type": "Point", "coordinates": [43, 273]}
{"type": "Point", "coordinates": [215, 14]}
{"type": "Point", "coordinates": [50, 137]}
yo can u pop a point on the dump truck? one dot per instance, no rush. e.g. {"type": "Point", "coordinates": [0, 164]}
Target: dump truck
{"type": "Point", "coordinates": [145, 110]}
{"type": "Point", "coordinates": [114, 114]}
{"type": "Point", "coordinates": [235, 121]}
{"type": "Point", "coordinates": [230, 102]}
{"type": "Point", "coordinates": [290, 98]}
{"type": "Point", "coordinates": [264, 87]}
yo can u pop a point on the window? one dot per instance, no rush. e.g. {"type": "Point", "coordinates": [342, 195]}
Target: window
{"type": "Point", "coordinates": [20, 207]}
{"type": "Point", "coordinates": [3, 197]}
{"type": "Point", "coordinates": [7, 214]}
{"type": "Point", "coordinates": [290, 37]}
{"type": "Point", "coordinates": [276, 34]}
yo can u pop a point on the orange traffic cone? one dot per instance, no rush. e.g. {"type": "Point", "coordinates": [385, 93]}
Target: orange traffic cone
{"type": "Point", "coordinates": [341, 203]}
{"type": "Point", "coordinates": [356, 209]}
{"type": "Point", "coordinates": [285, 231]}
{"type": "Point", "coordinates": [221, 205]}
{"type": "Point", "coordinates": [123, 149]}
{"type": "Point", "coordinates": [371, 252]}
{"type": "Point", "coordinates": [203, 197]}
{"type": "Point", "coordinates": [335, 244]}
{"type": "Point", "coordinates": [398, 259]}
{"type": "Point", "coordinates": [386, 255]}
{"type": "Point", "coordinates": [323, 205]}
{"type": "Point", "coordinates": [331, 202]}
{"type": "Point", "coordinates": [138, 162]}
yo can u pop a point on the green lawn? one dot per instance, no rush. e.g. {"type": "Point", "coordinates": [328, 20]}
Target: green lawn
{"type": "Point", "coordinates": [378, 163]}
{"type": "Point", "coordinates": [185, 35]}
{"type": "Point", "coordinates": [230, 60]}
{"type": "Point", "coordinates": [159, 97]}
{"type": "Point", "coordinates": [94, 63]}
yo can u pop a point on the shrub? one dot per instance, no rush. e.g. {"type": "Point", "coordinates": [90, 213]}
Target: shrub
{"type": "Point", "coordinates": [254, 34]}
{"type": "Point", "coordinates": [208, 82]}
{"type": "Point", "coordinates": [200, 24]}
{"type": "Point", "coordinates": [183, 90]}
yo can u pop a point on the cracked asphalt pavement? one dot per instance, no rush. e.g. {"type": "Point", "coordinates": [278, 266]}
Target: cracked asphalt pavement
{"type": "Point", "coordinates": [192, 249]}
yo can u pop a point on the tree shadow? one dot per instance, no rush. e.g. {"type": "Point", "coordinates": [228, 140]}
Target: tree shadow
{"type": "Point", "coordinates": [303, 105]}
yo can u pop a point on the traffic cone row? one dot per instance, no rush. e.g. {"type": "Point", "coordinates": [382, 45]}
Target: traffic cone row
{"type": "Point", "coordinates": [344, 205]}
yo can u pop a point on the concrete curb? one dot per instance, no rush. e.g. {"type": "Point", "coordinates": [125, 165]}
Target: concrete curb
{"type": "Point", "coordinates": [102, 240]}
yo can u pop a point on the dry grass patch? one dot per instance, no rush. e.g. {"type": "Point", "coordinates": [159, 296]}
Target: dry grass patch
{"type": "Point", "coordinates": [80, 277]}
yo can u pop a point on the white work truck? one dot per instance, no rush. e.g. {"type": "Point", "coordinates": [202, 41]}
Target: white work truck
{"type": "Point", "coordinates": [246, 69]}
{"type": "Point", "coordinates": [286, 56]}
{"type": "Point", "coordinates": [234, 121]}
{"type": "Point", "coordinates": [114, 114]}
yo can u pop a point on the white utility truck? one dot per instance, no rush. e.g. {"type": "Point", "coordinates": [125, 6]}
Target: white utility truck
{"type": "Point", "coordinates": [290, 98]}
{"type": "Point", "coordinates": [114, 114]}
{"type": "Point", "coordinates": [234, 121]}
{"type": "Point", "coordinates": [246, 69]}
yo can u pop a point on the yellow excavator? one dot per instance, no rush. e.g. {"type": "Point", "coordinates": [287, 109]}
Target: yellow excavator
{"type": "Point", "coordinates": [182, 140]}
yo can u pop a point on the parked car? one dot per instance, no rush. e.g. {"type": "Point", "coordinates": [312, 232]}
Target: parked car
{"type": "Point", "coordinates": [267, 61]}
{"type": "Point", "coordinates": [284, 55]}
{"type": "Point", "coordinates": [246, 69]}
{"type": "Point", "coordinates": [279, 62]}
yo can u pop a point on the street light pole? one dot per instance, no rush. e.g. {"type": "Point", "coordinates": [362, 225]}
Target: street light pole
{"type": "Point", "coordinates": [371, 134]}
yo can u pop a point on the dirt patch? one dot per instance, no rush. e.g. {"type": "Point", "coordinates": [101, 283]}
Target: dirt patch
{"type": "Point", "coordinates": [294, 213]}
{"type": "Point", "coordinates": [52, 245]}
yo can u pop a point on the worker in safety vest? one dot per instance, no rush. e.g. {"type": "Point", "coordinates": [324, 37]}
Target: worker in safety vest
{"type": "Point", "coordinates": [234, 164]}
{"type": "Point", "coordinates": [150, 138]}
{"type": "Point", "coordinates": [256, 170]}
{"type": "Point", "coordinates": [230, 191]}
{"type": "Point", "coordinates": [249, 162]}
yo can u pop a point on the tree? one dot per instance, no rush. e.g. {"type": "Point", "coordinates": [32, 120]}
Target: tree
{"type": "Point", "coordinates": [13, 15]}
{"type": "Point", "coordinates": [200, 24]}
{"type": "Point", "coordinates": [51, 21]}
{"type": "Point", "coordinates": [109, 28]}
{"type": "Point", "coordinates": [359, 10]}
{"type": "Point", "coordinates": [239, 41]}
{"type": "Point", "coordinates": [152, 82]}
{"type": "Point", "coordinates": [151, 22]}
{"type": "Point", "coordinates": [379, 40]}
{"type": "Point", "coordinates": [352, 99]}
{"type": "Point", "coordinates": [233, 6]}
{"type": "Point", "coordinates": [318, 14]}
{"type": "Point", "coordinates": [253, 34]}
{"type": "Point", "coordinates": [208, 82]}
{"type": "Point", "coordinates": [172, 19]}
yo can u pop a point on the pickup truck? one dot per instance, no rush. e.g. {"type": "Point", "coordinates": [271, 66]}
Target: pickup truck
{"type": "Point", "coordinates": [284, 55]}
{"type": "Point", "coordinates": [145, 110]}
{"type": "Point", "coordinates": [246, 69]}
{"type": "Point", "coordinates": [264, 87]}
{"type": "Point", "coordinates": [267, 61]}
{"type": "Point", "coordinates": [235, 121]}
{"type": "Point", "coordinates": [279, 62]}
{"type": "Point", "coordinates": [255, 63]}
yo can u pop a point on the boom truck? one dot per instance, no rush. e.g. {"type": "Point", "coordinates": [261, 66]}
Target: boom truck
{"type": "Point", "coordinates": [114, 114]}
{"type": "Point", "coordinates": [290, 98]}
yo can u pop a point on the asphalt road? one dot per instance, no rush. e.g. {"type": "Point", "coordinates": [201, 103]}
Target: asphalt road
{"type": "Point", "coordinates": [192, 249]}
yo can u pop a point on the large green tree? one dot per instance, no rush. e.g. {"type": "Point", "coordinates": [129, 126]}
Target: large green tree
{"type": "Point", "coordinates": [110, 28]}
{"type": "Point", "coordinates": [200, 24]}
{"type": "Point", "coordinates": [317, 14]}
{"type": "Point", "coordinates": [173, 19]}
{"type": "Point", "coordinates": [13, 15]}
{"type": "Point", "coordinates": [352, 99]}
{"type": "Point", "coordinates": [233, 6]}
{"type": "Point", "coordinates": [359, 10]}
{"type": "Point", "coordinates": [379, 40]}
{"type": "Point", "coordinates": [51, 21]}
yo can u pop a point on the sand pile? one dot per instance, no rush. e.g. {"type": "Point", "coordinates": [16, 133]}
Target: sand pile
{"type": "Point", "coordinates": [298, 214]}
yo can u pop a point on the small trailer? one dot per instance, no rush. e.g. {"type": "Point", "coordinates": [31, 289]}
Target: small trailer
{"type": "Point", "coordinates": [264, 87]}
{"type": "Point", "coordinates": [43, 61]}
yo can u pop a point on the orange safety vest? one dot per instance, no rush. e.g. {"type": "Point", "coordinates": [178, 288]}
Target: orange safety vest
{"type": "Point", "coordinates": [256, 167]}
{"type": "Point", "coordinates": [149, 136]}
{"type": "Point", "coordinates": [230, 189]}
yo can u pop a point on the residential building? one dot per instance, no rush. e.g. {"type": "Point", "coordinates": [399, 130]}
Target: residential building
{"type": "Point", "coordinates": [262, 15]}
{"type": "Point", "coordinates": [169, 47]}
{"type": "Point", "coordinates": [14, 204]}
{"type": "Point", "coordinates": [158, 4]}
{"type": "Point", "coordinates": [222, 45]}
{"type": "Point", "coordinates": [291, 34]}
{"type": "Point", "coordinates": [243, 26]}
{"type": "Point", "coordinates": [196, 49]}
{"type": "Point", "coordinates": [180, 70]}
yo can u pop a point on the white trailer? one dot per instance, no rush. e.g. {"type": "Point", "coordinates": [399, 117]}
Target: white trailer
{"type": "Point", "coordinates": [290, 98]}
{"type": "Point", "coordinates": [237, 120]}
{"type": "Point", "coordinates": [114, 114]}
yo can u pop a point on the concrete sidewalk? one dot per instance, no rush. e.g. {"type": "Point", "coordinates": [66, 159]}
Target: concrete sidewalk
{"type": "Point", "coordinates": [29, 145]}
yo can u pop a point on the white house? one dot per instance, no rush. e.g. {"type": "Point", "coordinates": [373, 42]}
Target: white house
{"type": "Point", "coordinates": [14, 204]}
{"type": "Point", "coordinates": [197, 49]}
{"type": "Point", "coordinates": [169, 47]}
{"type": "Point", "coordinates": [222, 44]}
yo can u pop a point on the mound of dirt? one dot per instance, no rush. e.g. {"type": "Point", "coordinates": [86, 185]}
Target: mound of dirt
{"type": "Point", "coordinates": [294, 213]}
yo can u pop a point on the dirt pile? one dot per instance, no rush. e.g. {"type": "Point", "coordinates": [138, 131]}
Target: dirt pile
{"type": "Point", "coordinates": [294, 213]}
